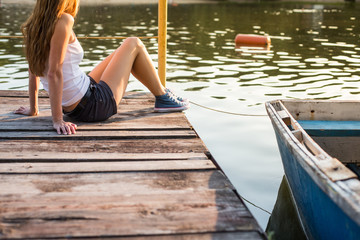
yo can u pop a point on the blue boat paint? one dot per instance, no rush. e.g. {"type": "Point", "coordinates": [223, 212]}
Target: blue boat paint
{"type": "Point", "coordinates": [312, 191]}
{"type": "Point", "coordinates": [321, 217]}
{"type": "Point", "coordinates": [331, 128]}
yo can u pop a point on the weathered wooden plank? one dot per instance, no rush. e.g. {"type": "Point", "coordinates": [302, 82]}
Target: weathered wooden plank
{"type": "Point", "coordinates": [348, 110]}
{"type": "Point", "coordinates": [79, 205]}
{"type": "Point", "coordinates": [129, 183]}
{"type": "Point", "coordinates": [178, 212]}
{"type": "Point", "coordinates": [132, 113]}
{"type": "Point", "coordinates": [118, 122]}
{"type": "Point", "coordinates": [98, 135]}
{"type": "Point", "coordinates": [47, 156]}
{"type": "Point", "coordinates": [51, 204]}
{"type": "Point", "coordinates": [34, 147]}
{"type": "Point", "coordinates": [343, 148]}
{"type": "Point", "coordinates": [138, 114]}
{"type": "Point", "coordinates": [102, 167]}
{"type": "Point", "coordinates": [248, 235]}
{"type": "Point", "coordinates": [335, 170]}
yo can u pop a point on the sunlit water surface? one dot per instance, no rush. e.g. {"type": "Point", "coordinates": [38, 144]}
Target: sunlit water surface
{"type": "Point", "coordinates": [314, 54]}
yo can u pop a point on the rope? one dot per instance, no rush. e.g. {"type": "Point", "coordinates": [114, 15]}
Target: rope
{"type": "Point", "coordinates": [231, 113]}
{"type": "Point", "coordinates": [264, 210]}
{"type": "Point", "coordinates": [85, 37]}
{"type": "Point", "coordinates": [238, 114]}
{"type": "Point", "coordinates": [11, 37]}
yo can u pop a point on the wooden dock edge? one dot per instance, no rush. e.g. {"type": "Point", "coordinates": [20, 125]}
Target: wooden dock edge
{"type": "Point", "coordinates": [138, 175]}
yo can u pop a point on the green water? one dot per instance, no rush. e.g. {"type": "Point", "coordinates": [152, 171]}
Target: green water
{"type": "Point", "coordinates": [314, 54]}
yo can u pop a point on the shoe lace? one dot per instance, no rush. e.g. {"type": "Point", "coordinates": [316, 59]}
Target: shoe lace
{"type": "Point", "coordinates": [173, 98]}
{"type": "Point", "coordinates": [171, 92]}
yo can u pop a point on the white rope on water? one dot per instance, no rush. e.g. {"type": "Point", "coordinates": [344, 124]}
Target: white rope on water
{"type": "Point", "coordinates": [83, 37]}
{"type": "Point", "coordinates": [226, 112]}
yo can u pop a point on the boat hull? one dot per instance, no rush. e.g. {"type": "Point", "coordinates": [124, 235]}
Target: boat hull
{"type": "Point", "coordinates": [316, 196]}
{"type": "Point", "coordinates": [321, 218]}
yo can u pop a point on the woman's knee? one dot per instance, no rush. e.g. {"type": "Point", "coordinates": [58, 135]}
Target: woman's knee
{"type": "Point", "coordinates": [133, 43]}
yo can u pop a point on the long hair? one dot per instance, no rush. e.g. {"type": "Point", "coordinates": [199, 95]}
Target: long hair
{"type": "Point", "coordinates": [39, 29]}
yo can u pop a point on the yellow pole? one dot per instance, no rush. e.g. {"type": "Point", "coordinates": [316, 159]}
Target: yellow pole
{"type": "Point", "coordinates": [162, 40]}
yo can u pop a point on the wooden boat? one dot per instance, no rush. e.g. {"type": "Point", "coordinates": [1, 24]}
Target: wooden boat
{"type": "Point", "coordinates": [319, 143]}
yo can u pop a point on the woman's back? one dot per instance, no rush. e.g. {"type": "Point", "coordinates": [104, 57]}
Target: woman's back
{"type": "Point", "coordinates": [75, 81]}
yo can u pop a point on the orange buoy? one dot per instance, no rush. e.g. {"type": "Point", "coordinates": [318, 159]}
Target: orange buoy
{"type": "Point", "coordinates": [252, 39]}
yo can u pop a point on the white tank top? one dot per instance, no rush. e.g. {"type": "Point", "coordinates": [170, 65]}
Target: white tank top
{"type": "Point", "coordinates": [75, 81]}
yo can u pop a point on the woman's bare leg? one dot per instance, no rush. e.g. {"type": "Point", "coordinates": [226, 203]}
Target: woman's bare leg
{"type": "Point", "coordinates": [130, 57]}
{"type": "Point", "coordinates": [100, 68]}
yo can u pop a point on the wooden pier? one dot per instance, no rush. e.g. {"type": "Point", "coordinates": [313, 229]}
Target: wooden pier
{"type": "Point", "coordinates": [138, 175]}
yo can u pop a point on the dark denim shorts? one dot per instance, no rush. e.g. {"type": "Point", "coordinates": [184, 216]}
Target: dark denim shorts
{"type": "Point", "coordinates": [98, 104]}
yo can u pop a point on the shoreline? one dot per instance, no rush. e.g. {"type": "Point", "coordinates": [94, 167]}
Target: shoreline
{"type": "Point", "coordinates": [132, 2]}
{"type": "Point", "coordinates": [114, 2]}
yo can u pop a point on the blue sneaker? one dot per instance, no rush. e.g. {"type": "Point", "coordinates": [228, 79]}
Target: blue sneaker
{"type": "Point", "coordinates": [169, 103]}
{"type": "Point", "coordinates": [177, 97]}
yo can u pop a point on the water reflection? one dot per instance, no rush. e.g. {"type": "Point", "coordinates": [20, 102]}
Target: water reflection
{"type": "Point", "coordinates": [314, 54]}
{"type": "Point", "coordinates": [284, 223]}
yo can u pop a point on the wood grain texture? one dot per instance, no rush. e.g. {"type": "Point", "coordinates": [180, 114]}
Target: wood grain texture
{"type": "Point", "coordinates": [98, 135]}
{"type": "Point", "coordinates": [156, 203]}
{"type": "Point", "coordinates": [132, 114]}
{"type": "Point", "coordinates": [103, 167]}
{"type": "Point", "coordinates": [47, 156]}
{"type": "Point", "coordinates": [343, 148]}
{"type": "Point", "coordinates": [10, 147]}
{"type": "Point", "coordinates": [138, 175]}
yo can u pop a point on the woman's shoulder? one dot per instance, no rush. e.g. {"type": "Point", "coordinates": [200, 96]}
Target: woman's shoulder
{"type": "Point", "coordinates": [66, 19]}
{"type": "Point", "coordinates": [64, 24]}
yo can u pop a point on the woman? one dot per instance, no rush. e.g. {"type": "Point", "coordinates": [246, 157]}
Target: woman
{"type": "Point", "coordinates": [54, 54]}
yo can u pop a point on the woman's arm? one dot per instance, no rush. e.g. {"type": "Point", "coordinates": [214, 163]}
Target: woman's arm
{"type": "Point", "coordinates": [58, 46]}
{"type": "Point", "coordinates": [33, 110]}
{"type": "Point", "coordinates": [34, 82]}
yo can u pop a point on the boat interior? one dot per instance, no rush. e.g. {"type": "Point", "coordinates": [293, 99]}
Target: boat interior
{"type": "Point", "coordinates": [333, 125]}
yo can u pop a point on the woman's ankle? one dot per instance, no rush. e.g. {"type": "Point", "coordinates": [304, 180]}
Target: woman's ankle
{"type": "Point", "coordinates": [160, 92]}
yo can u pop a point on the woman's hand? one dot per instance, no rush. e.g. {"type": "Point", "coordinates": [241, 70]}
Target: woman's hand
{"type": "Point", "coordinates": [26, 111]}
{"type": "Point", "coordinates": [66, 128]}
